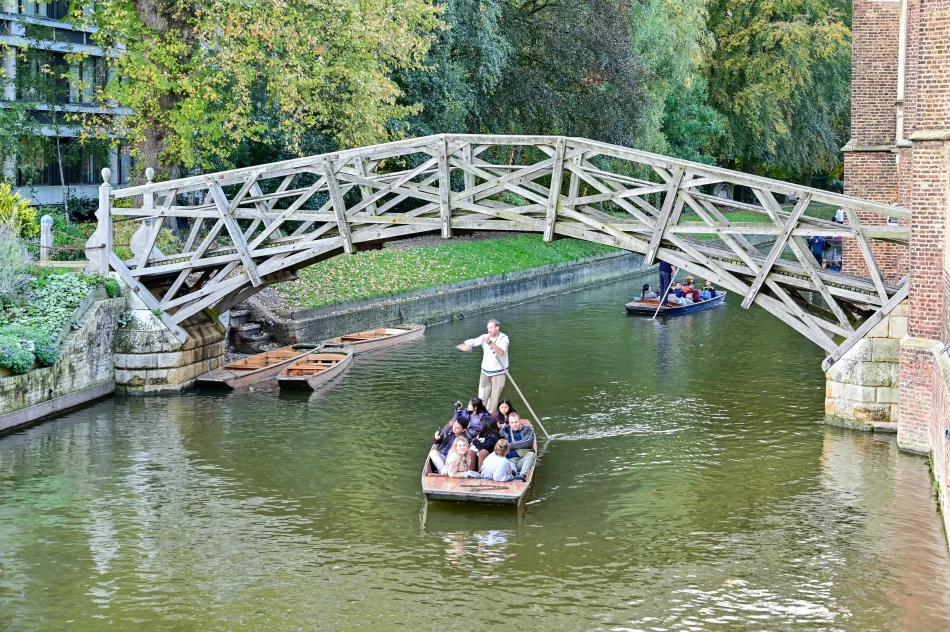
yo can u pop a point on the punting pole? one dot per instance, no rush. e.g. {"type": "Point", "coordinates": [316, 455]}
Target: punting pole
{"type": "Point", "coordinates": [530, 410]}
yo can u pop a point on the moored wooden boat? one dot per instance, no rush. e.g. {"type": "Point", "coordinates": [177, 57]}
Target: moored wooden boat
{"type": "Point", "coordinates": [374, 338]}
{"type": "Point", "coordinates": [478, 490]}
{"type": "Point", "coordinates": [253, 369]}
{"type": "Point", "coordinates": [317, 368]}
{"type": "Point", "coordinates": [648, 306]}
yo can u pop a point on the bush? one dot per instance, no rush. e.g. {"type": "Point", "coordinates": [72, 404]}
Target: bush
{"type": "Point", "coordinates": [14, 356]}
{"type": "Point", "coordinates": [39, 342]}
{"type": "Point", "coordinates": [112, 288]}
{"type": "Point", "coordinates": [52, 297]}
{"type": "Point", "coordinates": [14, 263]}
{"type": "Point", "coordinates": [18, 213]}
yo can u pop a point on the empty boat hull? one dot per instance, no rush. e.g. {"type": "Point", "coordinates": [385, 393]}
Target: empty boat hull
{"type": "Point", "coordinates": [374, 338]}
{"type": "Point", "coordinates": [314, 370]}
{"type": "Point", "coordinates": [256, 368]}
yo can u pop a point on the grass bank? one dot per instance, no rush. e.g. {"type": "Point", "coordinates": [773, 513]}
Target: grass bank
{"type": "Point", "coordinates": [382, 272]}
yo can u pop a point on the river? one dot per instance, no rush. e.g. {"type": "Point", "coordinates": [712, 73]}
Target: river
{"type": "Point", "coordinates": [690, 486]}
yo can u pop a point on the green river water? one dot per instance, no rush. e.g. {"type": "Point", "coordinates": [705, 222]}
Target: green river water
{"type": "Point", "coordinates": [690, 486]}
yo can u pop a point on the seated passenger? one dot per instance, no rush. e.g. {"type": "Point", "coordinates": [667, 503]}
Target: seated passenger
{"type": "Point", "coordinates": [443, 440]}
{"type": "Point", "coordinates": [520, 439]}
{"type": "Point", "coordinates": [690, 291]}
{"type": "Point", "coordinates": [678, 290]}
{"type": "Point", "coordinates": [501, 415]}
{"type": "Point", "coordinates": [687, 299]}
{"type": "Point", "coordinates": [676, 300]}
{"type": "Point", "coordinates": [456, 466]}
{"type": "Point", "coordinates": [475, 414]}
{"type": "Point", "coordinates": [647, 294]}
{"type": "Point", "coordinates": [483, 443]}
{"type": "Point", "coordinates": [496, 466]}
{"type": "Point", "coordinates": [708, 293]}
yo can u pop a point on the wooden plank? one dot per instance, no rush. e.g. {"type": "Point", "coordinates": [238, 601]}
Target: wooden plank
{"type": "Point", "coordinates": [866, 327]}
{"type": "Point", "coordinates": [800, 250]}
{"type": "Point", "coordinates": [339, 208]}
{"type": "Point", "coordinates": [467, 157]}
{"type": "Point", "coordinates": [777, 249]}
{"type": "Point", "coordinates": [866, 252]}
{"type": "Point", "coordinates": [445, 190]}
{"type": "Point", "coordinates": [237, 237]}
{"type": "Point", "coordinates": [365, 191]}
{"type": "Point", "coordinates": [146, 296]}
{"type": "Point", "coordinates": [289, 211]}
{"type": "Point", "coordinates": [668, 202]}
{"type": "Point", "coordinates": [554, 196]}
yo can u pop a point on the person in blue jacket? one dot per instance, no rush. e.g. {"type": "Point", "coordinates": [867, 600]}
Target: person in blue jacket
{"type": "Point", "coordinates": [817, 245]}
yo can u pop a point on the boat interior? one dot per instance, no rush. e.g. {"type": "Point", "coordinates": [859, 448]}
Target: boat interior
{"type": "Point", "coordinates": [261, 360]}
{"type": "Point", "coordinates": [316, 363]}
{"type": "Point", "coordinates": [368, 335]}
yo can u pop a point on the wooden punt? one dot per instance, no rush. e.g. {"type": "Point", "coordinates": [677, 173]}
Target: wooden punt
{"type": "Point", "coordinates": [374, 338]}
{"type": "Point", "coordinates": [648, 307]}
{"type": "Point", "coordinates": [477, 490]}
{"type": "Point", "coordinates": [253, 369]}
{"type": "Point", "coordinates": [310, 372]}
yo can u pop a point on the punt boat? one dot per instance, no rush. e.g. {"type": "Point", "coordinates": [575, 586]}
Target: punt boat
{"type": "Point", "coordinates": [313, 370]}
{"type": "Point", "coordinates": [648, 306]}
{"type": "Point", "coordinates": [374, 338]}
{"type": "Point", "coordinates": [478, 490]}
{"type": "Point", "coordinates": [258, 367]}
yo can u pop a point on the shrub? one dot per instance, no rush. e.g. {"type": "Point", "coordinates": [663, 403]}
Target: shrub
{"type": "Point", "coordinates": [14, 356]}
{"type": "Point", "coordinates": [51, 299]}
{"type": "Point", "coordinates": [39, 342]}
{"type": "Point", "coordinates": [112, 288]}
{"type": "Point", "coordinates": [14, 263]}
{"type": "Point", "coordinates": [17, 212]}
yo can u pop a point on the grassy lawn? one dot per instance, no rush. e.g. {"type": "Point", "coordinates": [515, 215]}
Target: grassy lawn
{"type": "Point", "coordinates": [382, 272]}
{"type": "Point", "coordinates": [816, 209]}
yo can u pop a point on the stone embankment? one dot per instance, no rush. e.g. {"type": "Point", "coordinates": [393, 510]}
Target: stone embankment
{"type": "Point", "coordinates": [861, 388]}
{"type": "Point", "coordinates": [84, 371]}
{"type": "Point", "coordinates": [445, 302]}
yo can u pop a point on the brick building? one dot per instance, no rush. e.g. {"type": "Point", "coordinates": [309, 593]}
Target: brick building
{"type": "Point", "coordinates": [899, 153]}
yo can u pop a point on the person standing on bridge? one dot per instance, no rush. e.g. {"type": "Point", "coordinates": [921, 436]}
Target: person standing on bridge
{"type": "Point", "coordinates": [667, 272]}
{"type": "Point", "coordinates": [494, 346]}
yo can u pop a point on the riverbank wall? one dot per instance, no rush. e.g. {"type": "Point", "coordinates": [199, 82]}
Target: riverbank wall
{"type": "Point", "coordinates": [449, 301]}
{"type": "Point", "coordinates": [84, 371]}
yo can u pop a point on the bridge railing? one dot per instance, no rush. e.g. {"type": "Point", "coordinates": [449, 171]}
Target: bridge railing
{"type": "Point", "coordinates": [244, 229]}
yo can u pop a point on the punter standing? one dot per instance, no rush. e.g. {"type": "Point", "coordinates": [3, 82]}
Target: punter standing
{"type": "Point", "coordinates": [494, 346]}
{"type": "Point", "coordinates": [667, 272]}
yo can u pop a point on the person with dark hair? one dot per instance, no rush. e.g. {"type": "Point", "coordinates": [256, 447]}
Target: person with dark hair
{"type": "Point", "coordinates": [484, 442]}
{"type": "Point", "coordinates": [495, 359]}
{"type": "Point", "coordinates": [646, 293]}
{"type": "Point", "coordinates": [520, 438]}
{"type": "Point", "coordinates": [475, 414]}
{"type": "Point", "coordinates": [500, 417]}
{"type": "Point", "coordinates": [817, 245]}
{"type": "Point", "coordinates": [443, 439]}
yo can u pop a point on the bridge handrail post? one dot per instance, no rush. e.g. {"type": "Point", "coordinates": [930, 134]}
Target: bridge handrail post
{"type": "Point", "coordinates": [104, 216]}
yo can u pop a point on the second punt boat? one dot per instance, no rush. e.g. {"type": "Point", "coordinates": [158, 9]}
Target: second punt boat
{"type": "Point", "coordinates": [255, 368]}
{"type": "Point", "coordinates": [374, 338]}
{"type": "Point", "coordinates": [310, 372]}
{"type": "Point", "coordinates": [648, 307]}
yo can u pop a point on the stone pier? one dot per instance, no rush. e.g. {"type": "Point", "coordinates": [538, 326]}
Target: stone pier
{"type": "Point", "coordinates": [861, 389]}
{"type": "Point", "coordinates": [150, 359]}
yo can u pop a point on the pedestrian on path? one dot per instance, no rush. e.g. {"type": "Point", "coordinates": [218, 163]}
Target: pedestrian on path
{"type": "Point", "coordinates": [494, 346]}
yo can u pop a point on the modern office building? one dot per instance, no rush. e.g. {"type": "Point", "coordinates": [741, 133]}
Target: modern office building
{"type": "Point", "coordinates": [33, 34]}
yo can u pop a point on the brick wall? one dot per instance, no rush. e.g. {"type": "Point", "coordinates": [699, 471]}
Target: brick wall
{"type": "Point", "coordinates": [875, 31]}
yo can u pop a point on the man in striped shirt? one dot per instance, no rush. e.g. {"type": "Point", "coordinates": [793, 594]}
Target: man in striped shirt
{"type": "Point", "coordinates": [494, 346]}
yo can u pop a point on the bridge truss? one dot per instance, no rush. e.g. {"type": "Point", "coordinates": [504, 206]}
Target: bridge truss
{"type": "Point", "coordinates": [245, 229]}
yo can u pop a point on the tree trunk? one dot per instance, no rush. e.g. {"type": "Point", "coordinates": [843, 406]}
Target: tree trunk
{"type": "Point", "coordinates": [62, 177]}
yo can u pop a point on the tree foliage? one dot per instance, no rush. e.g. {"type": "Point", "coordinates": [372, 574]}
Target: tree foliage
{"type": "Point", "coordinates": [780, 74]}
{"type": "Point", "coordinates": [201, 76]}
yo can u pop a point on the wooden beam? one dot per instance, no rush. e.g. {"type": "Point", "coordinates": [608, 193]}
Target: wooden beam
{"type": "Point", "coordinates": [365, 191]}
{"type": "Point", "coordinates": [146, 296]}
{"type": "Point", "coordinates": [777, 249]}
{"type": "Point", "coordinates": [668, 202]}
{"type": "Point", "coordinates": [866, 327]}
{"type": "Point", "coordinates": [445, 189]}
{"type": "Point", "coordinates": [866, 252]}
{"type": "Point", "coordinates": [468, 178]}
{"type": "Point", "coordinates": [554, 196]}
{"type": "Point", "coordinates": [237, 237]}
{"type": "Point", "coordinates": [339, 208]}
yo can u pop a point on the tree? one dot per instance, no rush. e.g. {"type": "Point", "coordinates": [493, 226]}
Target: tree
{"type": "Point", "coordinates": [780, 74]}
{"type": "Point", "coordinates": [202, 76]}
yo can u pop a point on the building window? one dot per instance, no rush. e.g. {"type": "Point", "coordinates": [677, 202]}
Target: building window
{"type": "Point", "coordinates": [126, 164]}
{"type": "Point", "coordinates": [56, 10]}
{"type": "Point", "coordinates": [87, 78]}
{"type": "Point", "coordinates": [81, 164]}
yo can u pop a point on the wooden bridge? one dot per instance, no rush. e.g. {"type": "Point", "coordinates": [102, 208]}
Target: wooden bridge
{"type": "Point", "coordinates": [245, 229]}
